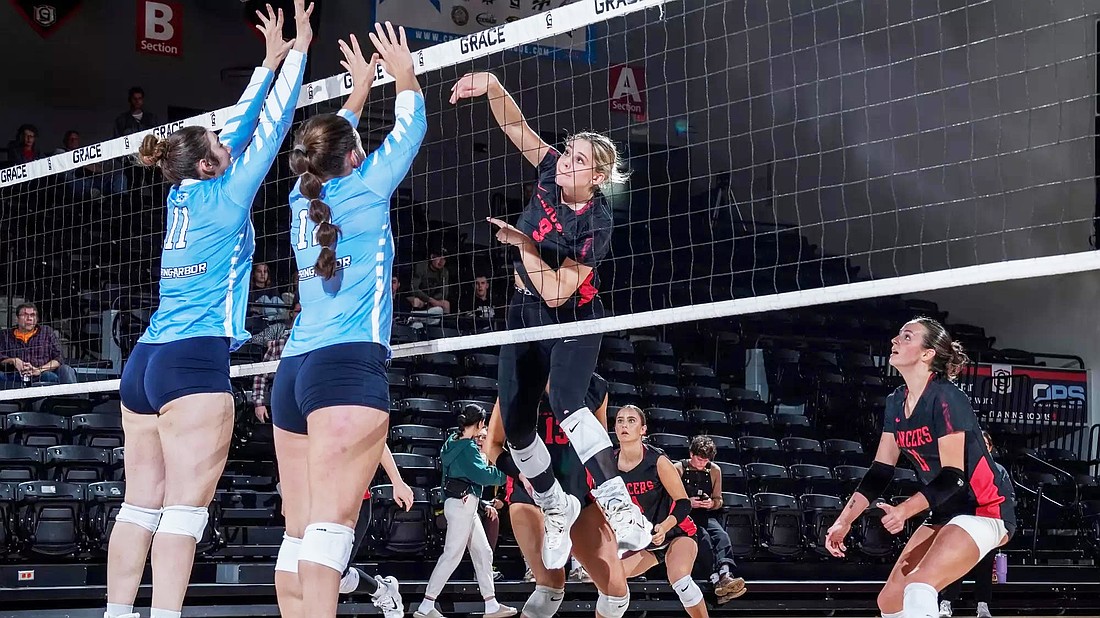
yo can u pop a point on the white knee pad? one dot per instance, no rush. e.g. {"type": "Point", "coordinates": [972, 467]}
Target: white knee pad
{"type": "Point", "coordinates": [544, 602]}
{"type": "Point", "coordinates": [533, 459]}
{"type": "Point", "coordinates": [688, 591]}
{"type": "Point", "coordinates": [613, 607]}
{"type": "Point", "coordinates": [328, 544]}
{"type": "Point", "coordinates": [289, 550]}
{"type": "Point", "coordinates": [139, 516]}
{"type": "Point", "coordinates": [587, 435]}
{"type": "Point", "coordinates": [184, 521]}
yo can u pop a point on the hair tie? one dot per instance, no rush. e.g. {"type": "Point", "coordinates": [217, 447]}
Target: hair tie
{"type": "Point", "coordinates": [300, 148]}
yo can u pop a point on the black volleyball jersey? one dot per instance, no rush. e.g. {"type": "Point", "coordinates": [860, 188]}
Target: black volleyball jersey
{"type": "Point", "coordinates": [644, 485]}
{"type": "Point", "coordinates": [943, 409]}
{"type": "Point", "coordinates": [559, 232]}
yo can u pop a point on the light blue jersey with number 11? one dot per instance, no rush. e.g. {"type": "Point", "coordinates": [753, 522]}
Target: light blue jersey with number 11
{"type": "Point", "coordinates": [355, 305]}
{"type": "Point", "coordinates": [209, 239]}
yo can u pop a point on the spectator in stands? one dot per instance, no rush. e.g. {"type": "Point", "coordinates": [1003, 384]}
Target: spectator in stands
{"type": "Point", "coordinates": [982, 573]}
{"type": "Point", "coordinates": [703, 482]}
{"type": "Point", "coordinates": [31, 352]}
{"type": "Point", "coordinates": [280, 329]}
{"type": "Point", "coordinates": [264, 297]}
{"type": "Point", "coordinates": [93, 179]}
{"type": "Point", "coordinates": [23, 148]}
{"type": "Point", "coordinates": [401, 305]}
{"type": "Point", "coordinates": [478, 304]}
{"type": "Point", "coordinates": [431, 285]}
{"type": "Point", "coordinates": [136, 119]}
{"type": "Point", "coordinates": [466, 472]}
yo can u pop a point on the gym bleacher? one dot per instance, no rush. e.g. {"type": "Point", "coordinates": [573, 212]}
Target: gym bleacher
{"type": "Point", "coordinates": [793, 401]}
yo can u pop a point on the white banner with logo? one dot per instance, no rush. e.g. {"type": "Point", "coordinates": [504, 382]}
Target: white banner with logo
{"type": "Point", "coordinates": [436, 21]}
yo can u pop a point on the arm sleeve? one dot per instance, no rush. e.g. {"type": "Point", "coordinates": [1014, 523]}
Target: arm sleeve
{"type": "Point", "coordinates": [952, 412]}
{"type": "Point", "coordinates": [386, 167]}
{"type": "Point", "coordinates": [350, 117]}
{"type": "Point", "coordinates": [247, 173]}
{"type": "Point", "coordinates": [479, 470]}
{"type": "Point", "coordinates": [244, 116]}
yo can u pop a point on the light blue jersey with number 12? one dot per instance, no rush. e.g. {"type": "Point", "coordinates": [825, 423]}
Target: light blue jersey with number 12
{"type": "Point", "coordinates": [356, 304]}
{"type": "Point", "coordinates": [209, 239]}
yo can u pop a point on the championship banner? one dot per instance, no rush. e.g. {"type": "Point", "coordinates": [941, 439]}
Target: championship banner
{"type": "Point", "coordinates": [46, 17]}
{"type": "Point", "coordinates": [437, 21]}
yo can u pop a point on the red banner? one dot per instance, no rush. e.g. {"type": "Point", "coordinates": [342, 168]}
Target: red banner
{"type": "Point", "coordinates": [46, 17]}
{"type": "Point", "coordinates": [159, 28]}
{"type": "Point", "coordinates": [626, 90]}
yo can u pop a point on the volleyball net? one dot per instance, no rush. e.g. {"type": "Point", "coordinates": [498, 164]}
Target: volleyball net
{"type": "Point", "coordinates": [783, 154]}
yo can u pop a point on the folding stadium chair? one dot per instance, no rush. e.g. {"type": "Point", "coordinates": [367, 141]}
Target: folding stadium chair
{"type": "Point", "coordinates": [395, 531]}
{"type": "Point", "coordinates": [759, 449]}
{"type": "Point", "coordinates": [8, 541]}
{"type": "Point", "coordinates": [792, 425]}
{"type": "Point", "coordinates": [650, 350]}
{"type": "Point", "coordinates": [49, 516]}
{"type": "Point", "coordinates": [98, 430]}
{"type": "Point", "coordinates": [431, 385]}
{"type": "Point", "coordinates": [476, 387]}
{"type": "Point", "coordinates": [618, 371]}
{"type": "Point", "coordinates": [482, 364]}
{"type": "Point", "coordinates": [65, 406]}
{"type": "Point", "coordinates": [617, 348]}
{"type": "Point", "coordinates": [779, 518]}
{"type": "Point", "coordinates": [37, 429]}
{"type": "Point", "coordinates": [674, 445]}
{"type": "Point", "coordinates": [705, 397]}
{"type": "Point", "coordinates": [740, 523]}
{"type": "Point", "coordinates": [425, 411]}
{"type": "Point", "coordinates": [693, 374]}
{"type": "Point", "coordinates": [845, 453]}
{"type": "Point", "coordinates": [733, 477]}
{"type": "Point", "coordinates": [441, 363]}
{"type": "Point", "coordinates": [418, 470]}
{"type": "Point", "coordinates": [750, 424]}
{"type": "Point", "coordinates": [417, 439]}
{"type": "Point", "coordinates": [803, 451]}
{"type": "Point", "coordinates": [768, 478]}
{"type": "Point", "coordinates": [811, 479]}
{"type": "Point", "coordinates": [666, 420]}
{"type": "Point", "coordinates": [711, 422]}
{"type": "Point", "coordinates": [77, 464]}
{"type": "Point", "coordinates": [20, 463]}
{"type": "Point", "coordinates": [621, 394]}
{"type": "Point", "coordinates": [658, 373]}
{"type": "Point", "coordinates": [819, 512]}
{"type": "Point", "coordinates": [662, 396]}
{"type": "Point", "coordinates": [102, 502]}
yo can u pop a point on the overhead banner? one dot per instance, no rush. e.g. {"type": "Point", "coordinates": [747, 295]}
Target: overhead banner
{"type": "Point", "coordinates": [437, 21]}
{"type": "Point", "coordinates": [159, 28]}
{"type": "Point", "coordinates": [1049, 395]}
{"type": "Point", "coordinates": [46, 17]}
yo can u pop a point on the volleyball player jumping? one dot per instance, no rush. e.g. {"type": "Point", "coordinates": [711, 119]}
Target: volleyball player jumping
{"type": "Point", "coordinates": [561, 236]}
{"type": "Point", "coordinates": [972, 508]}
{"type": "Point", "coordinates": [658, 489]}
{"type": "Point", "coordinates": [330, 400]}
{"type": "Point", "coordinates": [177, 401]}
{"type": "Point", "coordinates": [594, 543]}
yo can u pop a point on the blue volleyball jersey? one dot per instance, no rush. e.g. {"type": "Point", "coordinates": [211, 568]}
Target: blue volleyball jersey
{"type": "Point", "coordinates": [206, 261]}
{"type": "Point", "coordinates": [356, 304]}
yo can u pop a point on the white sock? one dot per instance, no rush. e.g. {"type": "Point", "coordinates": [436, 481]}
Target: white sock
{"type": "Point", "coordinates": [426, 606]}
{"type": "Point", "coordinates": [163, 613]}
{"type": "Point", "coordinates": [921, 601]}
{"type": "Point", "coordinates": [114, 610]}
{"type": "Point", "coordinates": [491, 605]}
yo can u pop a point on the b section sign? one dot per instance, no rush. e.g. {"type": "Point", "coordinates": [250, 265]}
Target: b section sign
{"type": "Point", "coordinates": [437, 21]}
{"type": "Point", "coordinates": [159, 28]}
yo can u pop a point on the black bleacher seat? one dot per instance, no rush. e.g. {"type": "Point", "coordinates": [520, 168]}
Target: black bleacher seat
{"type": "Point", "coordinates": [246, 507]}
{"type": "Point", "coordinates": [1065, 459]}
{"type": "Point", "coordinates": [768, 478]}
{"type": "Point", "coordinates": [395, 531]}
{"type": "Point", "coordinates": [431, 384]}
{"type": "Point", "coordinates": [402, 333]}
{"type": "Point", "coordinates": [418, 470]}
{"type": "Point", "coordinates": [712, 422]}
{"type": "Point", "coordinates": [849, 477]}
{"type": "Point", "coordinates": [65, 406]}
{"type": "Point", "coordinates": [666, 420]}
{"type": "Point", "coordinates": [905, 482]}
{"type": "Point", "coordinates": [745, 399]}
{"type": "Point", "coordinates": [704, 397]}
{"type": "Point", "coordinates": [750, 423]}
{"type": "Point", "coordinates": [77, 464]}
{"type": "Point", "coordinates": [662, 396]}
{"type": "Point", "coordinates": [760, 449]}
{"type": "Point", "coordinates": [694, 374]}
{"type": "Point", "coordinates": [37, 429]}
{"type": "Point", "coordinates": [674, 445]}
{"type": "Point", "coordinates": [102, 502]}
{"type": "Point", "coordinates": [248, 474]}
{"type": "Point", "coordinates": [618, 371]}
{"type": "Point", "coordinates": [740, 523]}
{"type": "Point", "coordinates": [111, 406]}
{"type": "Point", "coordinates": [8, 541]}
{"type": "Point", "coordinates": [819, 511]}
{"type": "Point", "coordinates": [20, 463]}
{"type": "Point", "coordinates": [49, 516]}
{"type": "Point", "coordinates": [811, 479]}
{"type": "Point", "coordinates": [476, 387]}
{"type": "Point", "coordinates": [617, 348]}
{"type": "Point", "coordinates": [482, 364]}
{"type": "Point", "coordinates": [733, 477]}
{"type": "Point", "coordinates": [658, 373]}
{"type": "Point", "coordinates": [621, 394]}
{"type": "Point", "coordinates": [426, 411]}
{"type": "Point", "coordinates": [788, 424]}
{"type": "Point", "coordinates": [99, 430]}
{"type": "Point", "coordinates": [399, 383]}
{"type": "Point", "coordinates": [870, 538]}
{"type": "Point", "coordinates": [845, 452]}
{"type": "Point", "coordinates": [779, 520]}
{"type": "Point", "coordinates": [804, 451]}
{"type": "Point", "coordinates": [118, 463]}
{"type": "Point", "coordinates": [6, 408]}
{"type": "Point", "coordinates": [440, 363]}
{"type": "Point", "coordinates": [726, 447]}
{"type": "Point", "coordinates": [858, 364]}
{"type": "Point", "coordinates": [650, 350]}
{"type": "Point", "coordinates": [416, 439]}
{"type": "Point", "coordinates": [458, 405]}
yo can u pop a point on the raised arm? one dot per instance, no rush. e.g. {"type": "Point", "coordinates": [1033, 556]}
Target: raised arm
{"type": "Point", "coordinates": [246, 174]}
{"type": "Point", "coordinates": [363, 73]}
{"type": "Point", "coordinates": [505, 111]}
{"type": "Point", "coordinates": [244, 116]}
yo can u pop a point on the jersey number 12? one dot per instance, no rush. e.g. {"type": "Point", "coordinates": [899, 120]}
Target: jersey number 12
{"type": "Point", "coordinates": [303, 222]}
{"type": "Point", "coordinates": [180, 221]}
